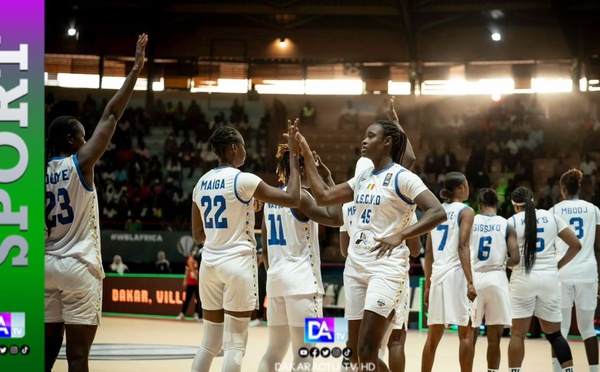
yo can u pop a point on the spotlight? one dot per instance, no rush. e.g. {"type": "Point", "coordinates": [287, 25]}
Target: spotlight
{"type": "Point", "coordinates": [496, 97]}
{"type": "Point", "coordinates": [282, 42]}
{"type": "Point", "coordinates": [72, 31]}
{"type": "Point", "coordinates": [496, 36]}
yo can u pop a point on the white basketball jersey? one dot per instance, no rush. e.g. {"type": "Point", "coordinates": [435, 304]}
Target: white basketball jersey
{"type": "Point", "coordinates": [583, 218]}
{"type": "Point", "coordinates": [384, 206]}
{"type": "Point", "coordinates": [294, 255]}
{"type": "Point", "coordinates": [548, 227]}
{"type": "Point", "coordinates": [444, 242]}
{"type": "Point", "coordinates": [224, 196]}
{"type": "Point", "coordinates": [349, 217]}
{"type": "Point", "coordinates": [488, 243]}
{"type": "Point", "coordinates": [72, 218]}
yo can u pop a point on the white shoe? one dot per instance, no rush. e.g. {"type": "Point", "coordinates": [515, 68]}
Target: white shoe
{"type": "Point", "coordinates": [256, 323]}
{"type": "Point", "coordinates": [181, 316]}
{"type": "Point", "coordinates": [197, 318]}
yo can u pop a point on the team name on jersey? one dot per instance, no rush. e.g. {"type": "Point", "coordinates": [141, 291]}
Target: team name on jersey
{"type": "Point", "coordinates": [368, 199]}
{"type": "Point", "coordinates": [486, 228]}
{"type": "Point", "coordinates": [542, 220]}
{"type": "Point", "coordinates": [274, 206]}
{"type": "Point", "coordinates": [56, 177]}
{"type": "Point", "coordinates": [212, 185]}
{"type": "Point", "coordinates": [573, 210]}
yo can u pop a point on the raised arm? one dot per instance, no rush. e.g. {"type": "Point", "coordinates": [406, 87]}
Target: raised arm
{"type": "Point", "coordinates": [513, 248]}
{"type": "Point", "coordinates": [291, 197]}
{"type": "Point", "coordinates": [464, 251]}
{"type": "Point", "coordinates": [335, 195]}
{"type": "Point", "coordinates": [328, 216]}
{"type": "Point", "coordinates": [90, 152]}
{"type": "Point", "coordinates": [409, 159]}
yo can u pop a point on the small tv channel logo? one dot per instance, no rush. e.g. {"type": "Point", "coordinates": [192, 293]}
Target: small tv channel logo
{"type": "Point", "coordinates": [12, 325]}
{"type": "Point", "coordinates": [325, 330]}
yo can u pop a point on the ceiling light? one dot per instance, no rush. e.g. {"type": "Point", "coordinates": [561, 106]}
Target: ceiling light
{"type": "Point", "coordinates": [496, 36]}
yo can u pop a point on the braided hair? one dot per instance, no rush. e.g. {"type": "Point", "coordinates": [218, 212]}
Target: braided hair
{"type": "Point", "coordinates": [524, 197]}
{"type": "Point", "coordinates": [571, 180]}
{"type": "Point", "coordinates": [58, 131]}
{"type": "Point", "coordinates": [452, 181]}
{"type": "Point", "coordinates": [283, 162]}
{"type": "Point", "coordinates": [488, 197]}
{"type": "Point", "coordinates": [221, 139]}
{"type": "Point", "coordinates": [399, 139]}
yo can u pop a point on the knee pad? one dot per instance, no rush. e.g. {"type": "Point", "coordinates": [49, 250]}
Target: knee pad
{"type": "Point", "coordinates": [235, 336]}
{"type": "Point", "coordinates": [560, 346]}
{"type": "Point", "coordinates": [213, 337]}
{"type": "Point", "coordinates": [585, 323]}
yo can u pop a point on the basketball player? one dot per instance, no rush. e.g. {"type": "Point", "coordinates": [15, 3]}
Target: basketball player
{"type": "Point", "coordinates": [223, 220]}
{"type": "Point", "coordinates": [534, 282]}
{"type": "Point", "coordinates": [491, 240]}
{"type": "Point", "coordinates": [395, 337]}
{"type": "Point", "coordinates": [579, 278]}
{"type": "Point", "coordinates": [73, 268]}
{"type": "Point", "coordinates": [385, 197]}
{"type": "Point", "coordinates": [291, 247]}
{"type": "Point", "coordinates": [449, 288]}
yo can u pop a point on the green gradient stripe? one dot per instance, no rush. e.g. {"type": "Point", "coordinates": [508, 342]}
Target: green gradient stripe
{"type": "Point", "coordinates": [21, 181]}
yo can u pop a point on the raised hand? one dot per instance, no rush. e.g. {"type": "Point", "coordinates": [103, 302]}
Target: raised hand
{"type": "Point", "coordinates": [391, 113]}
{"type": "Point", "coordinates": [140, 51]}
{"type": "Point", "coordinates": [291, 136]}
{"type": "Point", "coordinates": [324, 172]}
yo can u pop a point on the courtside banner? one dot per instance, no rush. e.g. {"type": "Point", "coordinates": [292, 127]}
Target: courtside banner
{"type": "Point", "coordinates": [21, 185]}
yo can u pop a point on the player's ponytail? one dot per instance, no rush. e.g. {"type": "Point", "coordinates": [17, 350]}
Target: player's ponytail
{"type": "Point", "coordinates": [399, 139]}
{"type": "Point", "coordinates": [522, 196]}
{"type": "Point", "coordinates": [488, 198]}
{"type": "Point", "coordinates": [571, 181]}
{"type": "Point", "coordinates": [283, 162]}
{"type": "Point", "coordinates": [452, 181]}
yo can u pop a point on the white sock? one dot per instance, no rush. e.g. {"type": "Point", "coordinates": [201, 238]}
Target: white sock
{"type": "Point", "coordinates": [594, 368]}
{"type": "Point", "coordinates": [211, 345]}
{"type": "Point", "coordinates": [556, 365]}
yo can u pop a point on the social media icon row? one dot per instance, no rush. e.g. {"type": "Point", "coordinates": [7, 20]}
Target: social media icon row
{"type": "Point", "coordinates": [14, 350]}
{"type": "Point", "coordinates": [324, 352]}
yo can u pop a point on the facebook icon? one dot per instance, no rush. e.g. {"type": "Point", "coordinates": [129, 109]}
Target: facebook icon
{"type": "Point", "coordinates": [326, 330]}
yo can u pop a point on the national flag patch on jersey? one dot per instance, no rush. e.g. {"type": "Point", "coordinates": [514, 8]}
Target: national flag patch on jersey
{"type": "Point", "coordinates": [388, 178]}
{"type": "Point", "coordinates": [370, 186]}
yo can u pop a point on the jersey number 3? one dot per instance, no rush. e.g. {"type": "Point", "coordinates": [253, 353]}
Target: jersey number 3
{"type": "Point", "coordinates": [218, 202]}
{"type": "Point", "coordinates": [65, 214]}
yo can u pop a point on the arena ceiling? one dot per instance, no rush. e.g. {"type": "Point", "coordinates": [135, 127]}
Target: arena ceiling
{"type": "Point", "coordinates": [329, 30]}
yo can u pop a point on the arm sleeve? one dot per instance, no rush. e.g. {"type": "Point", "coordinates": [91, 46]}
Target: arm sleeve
{"type": "Point", "coordinates": [245, 185]}
{"type": "Point", "coordinates": [410, 185]}
{"type": "Point", "coordinates": [560, 223]}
